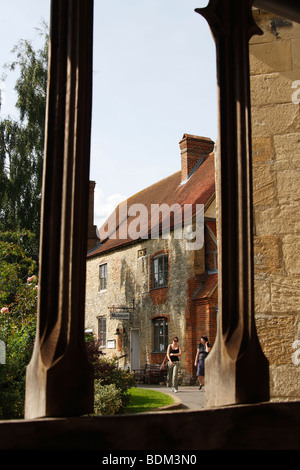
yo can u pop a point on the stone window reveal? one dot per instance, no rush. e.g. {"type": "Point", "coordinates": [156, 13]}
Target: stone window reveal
{"type": "Point", "coordinates": [59, 365]}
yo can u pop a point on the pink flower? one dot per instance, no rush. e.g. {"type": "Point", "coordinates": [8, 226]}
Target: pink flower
{"type": "Point", "coordinates": [4, 310]}
{"type": "Point", "coordinates": [29, 279]}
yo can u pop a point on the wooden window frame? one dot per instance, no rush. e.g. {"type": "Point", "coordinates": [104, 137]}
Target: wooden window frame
{"type": "Point", "coordinates": [102, 332]}
{"type": "Point", "coordinates": [103, 278]}
{"type": "Point", "coordinates": [164, 272]}
{"type": "Point", "coordinates": [157, 336]}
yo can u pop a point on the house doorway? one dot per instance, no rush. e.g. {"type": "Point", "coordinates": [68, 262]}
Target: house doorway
{"type": "Point", "coordinates": [134, 349]}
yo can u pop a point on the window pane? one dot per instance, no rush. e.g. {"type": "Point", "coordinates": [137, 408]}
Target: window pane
{"type": "Point", "coordinates": [165, 270]}
{"type": "Point", "coordinates": [103, 276]}
{"type": "Point", "coordinates": [160, 335]}
{"type": "Point", "coordinates": [155, 346]}
{"type": "Point", "coordinates": [102, 331]}
{"type": "Point", "coordinates": [160, 271]}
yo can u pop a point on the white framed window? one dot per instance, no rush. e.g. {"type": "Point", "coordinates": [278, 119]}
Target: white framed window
{"type": "Point", "coordinates": [103, 276]}
{"type": "Point", "coordinates": [102, 331]}
{"type": "Point", "coordinates": [160, 334]}
{"type": "Point", "coordinates": [160, 271]}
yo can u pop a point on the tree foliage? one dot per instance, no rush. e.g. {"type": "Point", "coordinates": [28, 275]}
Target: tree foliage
{"type": "Point", "coordinates": [17, 263]}
{"type": "Point", "coordinates": [22, 141]}
{"type": "Point", "coordinates": [18, 307]}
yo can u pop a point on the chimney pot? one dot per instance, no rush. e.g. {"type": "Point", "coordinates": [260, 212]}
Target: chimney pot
{"type": "Point", "coordinates": [192, 148]}
{"type": "Point", "coordinates": [92, 229]}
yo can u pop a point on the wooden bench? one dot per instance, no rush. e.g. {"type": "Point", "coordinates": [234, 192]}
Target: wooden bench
{"type": "Point", "coordinates": [139, 375]}
{"type": "Point", "coordinates": [154, 374]}
{"type": "Point", "coordinates": [151, 374]}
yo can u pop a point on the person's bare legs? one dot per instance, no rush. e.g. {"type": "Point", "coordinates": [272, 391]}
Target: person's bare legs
{"type": "Point", "coordinates": [201, 381]}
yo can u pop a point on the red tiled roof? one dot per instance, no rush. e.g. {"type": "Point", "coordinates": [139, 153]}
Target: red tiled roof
{"type": "Point", "coordinates": [208, 287]}
{"type": "Point", "coordinates": [199, 189]}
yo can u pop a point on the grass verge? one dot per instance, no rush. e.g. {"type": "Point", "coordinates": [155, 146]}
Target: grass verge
{"type": "Point", "coordinates": [145, 400]}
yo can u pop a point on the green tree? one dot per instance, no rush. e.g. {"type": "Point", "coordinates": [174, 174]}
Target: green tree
{"type": "Point", "coordinates": [19, 339]}
{"type": "Point", "coordinates": [16, 264]}
{"type": "Point", "coordinates": [18, 307]}
{"type": "Point", "coordinates": [22, 141]}
{"type": "Point", "coordinates": [21, 162]}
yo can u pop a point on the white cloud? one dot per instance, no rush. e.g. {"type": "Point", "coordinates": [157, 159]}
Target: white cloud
{"type": "Point", "coordinates": [105, 205]}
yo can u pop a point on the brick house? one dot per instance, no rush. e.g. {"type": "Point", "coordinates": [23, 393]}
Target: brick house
{"type": "Point", "coordinates": [145, 281]}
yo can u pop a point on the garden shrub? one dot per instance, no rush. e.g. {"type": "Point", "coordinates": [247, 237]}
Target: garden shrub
{"type": "Point", "coordinates": [107, 399]}
{"type": "Point", "coordinates": [107, 372]}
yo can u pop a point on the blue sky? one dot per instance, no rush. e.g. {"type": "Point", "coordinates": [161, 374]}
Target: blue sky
{"type": "Point", "coordinates": [154, 80]}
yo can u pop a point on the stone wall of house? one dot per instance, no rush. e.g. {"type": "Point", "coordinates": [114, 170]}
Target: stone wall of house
{"type": "Point", "coordinates": [275, 79]}
{"type": "Point", "coordinates": [129, 280]}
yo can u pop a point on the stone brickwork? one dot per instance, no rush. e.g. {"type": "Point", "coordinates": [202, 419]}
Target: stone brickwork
{"type": "Point", "coordinates": [130, 289]}
{"type": "Point", "coordinates": [190, 149]}
{"type": "Point", "coordinates": [275, 68]}
{"type": "Point", "coordinates": [128, 284]}
{"type": "Point", "coordinates": [165, 285]}
{"type": "Point", "coordinates": [92, 229]}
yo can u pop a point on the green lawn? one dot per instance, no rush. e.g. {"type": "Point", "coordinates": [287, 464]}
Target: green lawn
{"type": "Point", "coordinates": [145, 400]}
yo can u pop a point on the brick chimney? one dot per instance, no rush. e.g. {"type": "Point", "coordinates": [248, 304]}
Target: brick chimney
{"type": "Point", "coordinates": [92, 229]}
{"type": "Point", "coordinates": [192, 149]}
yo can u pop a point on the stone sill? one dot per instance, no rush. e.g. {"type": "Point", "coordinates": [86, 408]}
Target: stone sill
{"type": "Point", "coordinates": [263, 426]}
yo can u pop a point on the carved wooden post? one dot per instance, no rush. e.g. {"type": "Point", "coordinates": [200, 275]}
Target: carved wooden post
{"type": "Point", "coordinates": [59, 379]}
{"type": "Point", "coordinates": [236, 369]}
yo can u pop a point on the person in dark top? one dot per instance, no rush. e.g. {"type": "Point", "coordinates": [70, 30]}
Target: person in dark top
{"type": "Point", "coordinates": [202, 351]}
{"type": "Point", "coordinates": [173, 354]}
